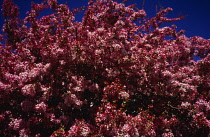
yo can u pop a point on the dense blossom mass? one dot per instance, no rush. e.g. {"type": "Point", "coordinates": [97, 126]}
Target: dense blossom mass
{"type": "Point", "coordinates": [115, 73]}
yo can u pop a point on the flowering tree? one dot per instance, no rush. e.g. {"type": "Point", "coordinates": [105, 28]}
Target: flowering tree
{"type": "Point", "coordinates": [115, 73]}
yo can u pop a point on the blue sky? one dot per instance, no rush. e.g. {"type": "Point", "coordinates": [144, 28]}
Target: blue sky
{"type": "Point", "coordinates": [197, 22]}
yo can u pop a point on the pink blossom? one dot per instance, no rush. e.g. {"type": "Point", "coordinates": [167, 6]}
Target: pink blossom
{"type": "Point", "coordinates": [119, 6]}
{"type": "Point", "coordinates": [116, 46]}
{"type": "Point", "coordinates": [3, 86]}
{"type": "Point", "coordinates": [167, 73]}
{"type": "Point", "coordinates": [119, 23]}
{"type": "Point", "coordinates": [34, 73]}
{"type": "Point", "coordinates": [169, 134]}
{"type": "Point", "coordinates": [202, 105]}
{"type": "Point", "coordinates": [129, 10]}
{"type": "Point", "coordinates": [70, 99]}
{"type": "Point", "coordinates": [16, 124]}
{"type": "Point", "coordinates": [23, 76]}
{"type": "Point", "coordinates": [80, 128]}
{"type": "Point", "coordinates": [11, 77]}
{"type": "Point", "coordinates": [124, 95]}
{"type": "Point", "coordinates": [41, 107]}
{"type": "Point", "coordinates": [53, 118]}
{"type": "Point", "coordinates": [78, 104]}
{"type": "Point", "coordinates": [126, 128]}
{"type": "Point", "coordinates": [29, 90]}
{"type": "Point", "coordinates": [25, 132]}
{"type": "Point", "coordinates": [185, 105]}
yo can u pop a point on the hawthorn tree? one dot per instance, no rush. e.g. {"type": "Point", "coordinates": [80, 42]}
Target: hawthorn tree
{"type": "Point", "coordinates": [115, 73]}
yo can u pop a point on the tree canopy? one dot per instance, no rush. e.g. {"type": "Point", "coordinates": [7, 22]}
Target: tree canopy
{"type": "Point", "coordinates": [115, 73]}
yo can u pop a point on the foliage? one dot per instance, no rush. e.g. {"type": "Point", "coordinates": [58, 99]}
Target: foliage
{"type": "Point", "coordinates": [115, 73]}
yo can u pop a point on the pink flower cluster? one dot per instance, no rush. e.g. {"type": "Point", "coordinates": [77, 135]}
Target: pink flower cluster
{"type": "Point", "coordinates": [115, 73]}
